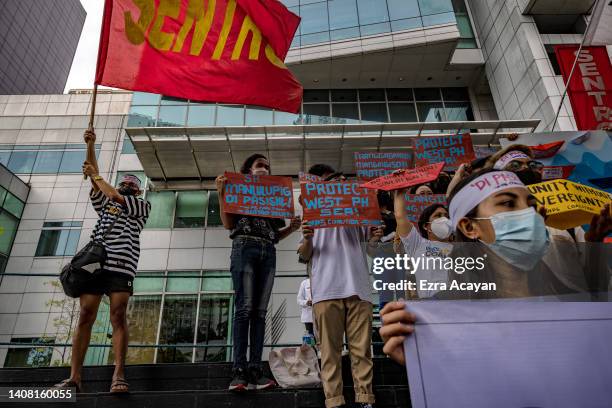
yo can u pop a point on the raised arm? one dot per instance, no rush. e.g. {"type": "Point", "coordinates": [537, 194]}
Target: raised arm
{"type": "Point", "coordinates": [100, 184]}
{"type": "Point", "coordinates": [403, 225]}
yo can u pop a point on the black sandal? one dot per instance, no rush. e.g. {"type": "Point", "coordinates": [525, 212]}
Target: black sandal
{"type": "Point", "coordinates": [68, 383]}
{"type": "Point", "coordinates": [119, 382]}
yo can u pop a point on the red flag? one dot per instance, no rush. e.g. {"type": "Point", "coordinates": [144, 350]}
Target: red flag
{"type": "Point", "coordinates": [204, 50]}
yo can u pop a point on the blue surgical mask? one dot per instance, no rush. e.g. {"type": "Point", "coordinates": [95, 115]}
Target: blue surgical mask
{"type": "Point", "coordinates": [521, 238]}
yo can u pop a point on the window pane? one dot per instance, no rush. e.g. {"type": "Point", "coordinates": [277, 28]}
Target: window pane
{"type": "Point", "coordinates": [373, 112]}
{"type": "Point", "coordinates": [177, 327]}
{"type": "Point", "coordinates": [3, 194]}
{"type": "Point", "coordinates": [142, 116]}
{"type": "Point", "coordinates": [4, 158]}
{"type": "Point", "coordinates": [170, 100]}
{"type": "Point", "coordinates": [146, 282]}
{"type": "Point", "coordinates": [402, 112]}
{"type": "Point", "coordinates": [315, 38]}
{"type": "Point", "coordinates": [214, 216]}
{"type": "Point", "coordinates": [213, 328]}
{"type": "Point", "coordinates": [172, 116]}
{"type": "Point", "coordinates": [128, 147]}
{"type": "Point", "coordinates": [143, 318]}
{"type": "Point", "coordinates": [371, 95]}
{"type": "Point", "coordinates": [344, 33]}
{"type": "Point", "coordinates": [190, 209]}
{"type": "Point", "coordinates": [372, 11]}
{"type": "Point", "coordinates": [399, 94]}
{"type": "Point", "coordinates": [314, 18]}
{"type": "Point", "coordinates": [73, 241]}
{"type": "Point", "coordinates": [458, 111]}
{"type": "Point", "coordinates": [21, 162]}
{"type": "Point", "coordinates": [201, 115]}
{"type": "Point", "coordinates": [286, 118]}
{"type": "Point", "coordinates": [317, 113]}
{"type": "Point", "coordinates": [342, 14]}
{"type": "Point", "coordinates": [455, 94]}
{"type": "Point", "coordinates": [47, 162]}
{"type": "Point", "coordinates": [162, 208]}
{"type": "Point", "coordinates": [316, 95]}
{"type": "Point", "coordinates": [431, 112]}
{"type": "Point", "coordinates": [435, 6]}
{"type": "Point", "coordinates": [258, 117]}
{"type": "Point", "coordinates": [13, 205]}
{"type": "Point", "coordinates": [51, 243]}
{"type": "Point", "coordinates": [427, 94]}
{"type": "Point", "coordinates": [142, 98]}
{"type": "Point", "coordinates": [230, 115]}
{"type": "Point", "coordinates": [406, 24]}
{"type": "Point", "coordinates": [399, 9]}
{"type": "Point", "coordinates": [345, 113]}
{"type": "Point", "coordinates": [216, 284]}
{"type": "Point", "coordinates": [8, 226]}
{"type": "Point", "coordinates": [344, 95]}
{"type": "Point", "coordinates": [182, 283]}
{"type": "Point", "coordinates": [29, 357]}
{"type": "Point", "coordinates": [372, 29]}
{"type": "Point", "coordinates": [442, 18]}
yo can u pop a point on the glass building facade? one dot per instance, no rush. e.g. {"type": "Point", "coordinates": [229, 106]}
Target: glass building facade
{"type": "Point", "coordinates": [13, 195]}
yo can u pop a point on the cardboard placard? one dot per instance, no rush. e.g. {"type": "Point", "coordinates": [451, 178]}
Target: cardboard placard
{"type": "Point", "coordinates": [451, 150]}
{"type": "Point", "coordinates": [416, 204]}
{"type": "Point", "coordinates": [259, 196]}
{"type": "Point", "coordinates": [568, 204]}
{"type": "Point", "coordinates": [371, 165]}
{"type": "Point", "coordinates": [556, 172]}
{"type": "Point", "coordinates": [329, 204]}
{"type": "Point", "coordinates": [304, 177]}
{"type": "Point", "coordinates": [407, 178]}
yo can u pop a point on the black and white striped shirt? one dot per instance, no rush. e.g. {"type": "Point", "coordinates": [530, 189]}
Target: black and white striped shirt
{"type": "Point", "coordinates": [122, 243]}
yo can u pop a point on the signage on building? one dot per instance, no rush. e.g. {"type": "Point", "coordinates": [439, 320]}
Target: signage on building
{"type": "Point", "coordinates": [590, 88]}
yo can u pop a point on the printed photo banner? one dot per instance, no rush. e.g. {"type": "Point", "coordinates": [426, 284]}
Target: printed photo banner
{"type": "Point", "coordinates": [416, 204]}
{"type": "Point", "coordinates": [329, 204]}
{"type": "Point", "coordinates": [371, 165]}
{"type": "Point", "coordinates": [568, 204]}
{"type": "Point", "coordinates": [556, 172]}
{"type": "Point", "coordinates": [259, 196]}
{"type": "Point", "coordinates": [451, 150]}
{"type": "Point", "coordinates": [407, 178]}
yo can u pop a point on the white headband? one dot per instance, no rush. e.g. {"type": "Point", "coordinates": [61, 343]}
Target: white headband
{"type": "Point", "coordinates": [508, 157]}
{"type": "Point", "coordinates": [476, 191]}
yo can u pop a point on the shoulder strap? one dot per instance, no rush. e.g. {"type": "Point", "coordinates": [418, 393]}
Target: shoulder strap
{"type": "Point", "coordinates": [111, 225]}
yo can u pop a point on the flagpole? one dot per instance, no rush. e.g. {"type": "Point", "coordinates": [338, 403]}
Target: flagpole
{"type": "Point", "coordinates": [569, 78]}
{"type": "Point", "coordinates": [92, 114]}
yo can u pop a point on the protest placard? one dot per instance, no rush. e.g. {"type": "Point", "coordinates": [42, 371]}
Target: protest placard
{"type": "Point", "coordinates": [546, 150]}
{"type": "Point", "coordinates": [304, 177]}
{"type": "Point", "coordinates": [260, 196]}
{"type": "Point", "coordinates": [415, 204]}
{"type": "Point", "coordinates": [556, 172]}
{"type": "Point", "coordinates": [371, 165]}
{"type": "Point", "coordinates": [406, 178]}
{"type": "Point", "coordinates": [451, 150]}
{"type": "Point", "coordinates": [339, 204]}
{"type": "Point", "coordinates": [568, 204]}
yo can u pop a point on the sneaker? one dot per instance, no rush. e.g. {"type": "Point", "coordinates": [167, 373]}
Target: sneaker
{"type": "Point", "coordinates": [258, 381]}
{"type": "Point", "coordinates": [239, 380]}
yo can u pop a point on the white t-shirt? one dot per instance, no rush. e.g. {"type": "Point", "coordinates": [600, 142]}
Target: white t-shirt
{"type": "Point", "coordinates": [339, 266]}
{"type": "Point", "coordinates": [418, 247]}
{"type": "Point", "coordinates": [303, 297]}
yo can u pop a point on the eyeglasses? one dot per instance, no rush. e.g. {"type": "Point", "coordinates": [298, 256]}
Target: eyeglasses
{"type": "Point", "coordinates": [516, 165]}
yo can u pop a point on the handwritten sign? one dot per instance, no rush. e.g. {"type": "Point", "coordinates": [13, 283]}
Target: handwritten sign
{"type": "Point", "coordinates": [304, 177]}
{"type": "Point", "coordinates": [407, 178]}
{"type": "Point", "coordinates": [556, 172]}
{"type": "Point", "coordinates": [261, 196]}
{"type": "Point", "coordinates": [451, 150]}
{"type": "Point", "coordinates": [416, 204]}
{"type": "Point", "coordinates": [329, 204]}
{"type": "Point", "coordinates": [568, 204]}
{"type": "Point", "coordinates": [370, 165]}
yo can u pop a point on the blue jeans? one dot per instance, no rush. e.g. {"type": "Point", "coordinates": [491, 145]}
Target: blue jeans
{"type": "Point", "coordinates": [253, 265]}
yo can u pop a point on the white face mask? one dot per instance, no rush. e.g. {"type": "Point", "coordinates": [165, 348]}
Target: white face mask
{"type": "Point", "coordinates": [261, 172]}
{"type": "Point", "coordinates": [441, 227]}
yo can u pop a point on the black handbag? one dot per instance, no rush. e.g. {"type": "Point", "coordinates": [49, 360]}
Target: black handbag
{"type": "Point", "coordinates": [84, 266]}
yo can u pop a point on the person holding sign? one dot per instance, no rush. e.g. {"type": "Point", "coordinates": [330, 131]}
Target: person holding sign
{"type": "Point", "coordinates": [253, 264]}
{"type": "Point", "coordinates": [432, 240]}
{"type": "Point", "coordinates": [341, 291]}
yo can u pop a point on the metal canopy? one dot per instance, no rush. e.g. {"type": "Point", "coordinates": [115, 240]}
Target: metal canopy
{"type": "Point", "coordinates": [179, 157]}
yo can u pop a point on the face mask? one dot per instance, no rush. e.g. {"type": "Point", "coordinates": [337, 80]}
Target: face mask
{"type": "Point", "coordinates": [521, 238]}
{"type": "Point", "coordinates": [529, 176]}
{"type": "Point", "coordinates": [126, 191]}
{"type": "Point", "coordinates": [260, 172]}
{"type": "Point", "coordinates": [441, 227]}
